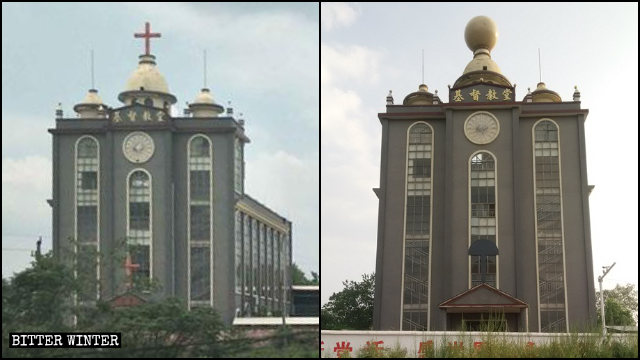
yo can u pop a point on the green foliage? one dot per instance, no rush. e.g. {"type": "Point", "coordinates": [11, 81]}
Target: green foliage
{"type": "Point", "coordinates": [624, 305]}
{"type": "Point", "coordinates": [351, 308]}
{"type": "Point", "coordinates": [370, 351]}
{"type": "Point", "coordinates": [37, 299]}
{"type": "Point", "coordinates": [496, 346]}
{"type": "Point", "coordinates": [616, 314]}
{"type": "Point", "coordinates": [40, 299]}
{"type": "Point", "coordinates": [298, 277]}
{"type": "Point", "coordinates": [396, 352]}
{"type": "Point", "coordinates": [42, 293]}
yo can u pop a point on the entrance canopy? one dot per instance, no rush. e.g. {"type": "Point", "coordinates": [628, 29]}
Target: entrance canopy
{"type": "Point", "coordinates": [483, 298]}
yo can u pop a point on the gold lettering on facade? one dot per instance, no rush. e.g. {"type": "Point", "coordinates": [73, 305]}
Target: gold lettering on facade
{"type": "Point", "coordinates": [160, 116]}
{"type": "Point", "coordinates": [116, 117]}
{"type": "Point", "coordinates": [458, 96]}
{"type": "Point", "coordinates": [491, 94]}
{"type": "Point", "coordinates": [146, 115]}
{"type": "Point", "coordinates": [131, 115]}
{"type": "Point", "coordinates": [474, 94]}
{"type": "Point", "coordinates": [507, 94]}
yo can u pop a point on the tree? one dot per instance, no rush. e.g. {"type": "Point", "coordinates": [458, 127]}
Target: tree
{"type": "Point", "coordinates": [621, 305]}
{"type": "Point", "coordinates": [616, 314]}
{"type": "Point", "coordinates": [351, 308]}
{"type": "Point", "coordinates": [315, 278]}
{"type": "Point", "coordinates": [298, 277]}
{"type": "Point", "coordinates": [38, 299]}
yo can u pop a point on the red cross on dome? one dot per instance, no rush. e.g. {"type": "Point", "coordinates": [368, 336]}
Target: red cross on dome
{"type": "Point", "coordinates": [147, 35]}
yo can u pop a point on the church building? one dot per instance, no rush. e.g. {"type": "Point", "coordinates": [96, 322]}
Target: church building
{"type": "Point", "coordinates": [147, 200]}
{"type": "Point", "coordinates": [484, 206]}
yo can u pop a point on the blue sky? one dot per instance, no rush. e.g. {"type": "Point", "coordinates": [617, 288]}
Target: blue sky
{"type": "Point", "coordinates": [261, 57]}
{"type": "Point", "coordinates": [368, 49]}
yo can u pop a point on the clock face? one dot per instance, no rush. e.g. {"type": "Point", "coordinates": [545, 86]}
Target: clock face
{"type": "Point", "coordinates": [481, 128]}
{"type": "Point", "coordinates": [138, 147]}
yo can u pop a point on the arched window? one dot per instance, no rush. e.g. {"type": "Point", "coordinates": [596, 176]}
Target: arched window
{"type": "Point", "coordinates": [549, 234]}
{"type": "Point", "coordinates": [483, 249]}
{"type": "Point", "coordinates": [87, 222]}
{"type": "Point", "coordinates": [200, 221]}
{"type": "Point", "coordinates": [417, 236]}
{"type": "Point", "coordinates": [139, 237]}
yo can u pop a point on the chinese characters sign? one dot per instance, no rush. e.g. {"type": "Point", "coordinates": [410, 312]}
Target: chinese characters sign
{"type": "Point", "coordinates": [481, 93]}
{"type": "Point", "coordinates": [135, 115]}
{"type": "Point", "coordinates": [348, 346]}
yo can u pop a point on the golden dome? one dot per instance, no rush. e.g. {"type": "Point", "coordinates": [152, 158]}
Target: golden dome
{"type": "Point", "coordinates": [91, 106]}
{"type": "Point", "coordinates": [482, 61]}
{"type": "Point", "coordinates": [204, 97]}
{"type": "Point", "coordinates": [420, 97]}
{"type": "Point", "coordinates": [481, 33]}
{"type": "Point", "coordinates": [204, 106]}
{"type": "Point", "coordinates": [147, 77]}
{"type": "Point", "coordinates": [92, 98]}
{"type": "Point", "coordinates": [542, 94]}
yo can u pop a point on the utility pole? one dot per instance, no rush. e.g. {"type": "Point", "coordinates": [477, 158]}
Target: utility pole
{"type": "Point", "coordinates": [606, 270]}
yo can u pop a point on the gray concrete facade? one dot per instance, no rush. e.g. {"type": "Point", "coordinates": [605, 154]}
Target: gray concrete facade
{"type": "Point", "coordinates": [515, 207]}
{"type": "Point", "coordinates": [168, 167]}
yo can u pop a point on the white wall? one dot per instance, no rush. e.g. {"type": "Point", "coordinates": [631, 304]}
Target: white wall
{"type": "Point", "coordinates": [410, 340]}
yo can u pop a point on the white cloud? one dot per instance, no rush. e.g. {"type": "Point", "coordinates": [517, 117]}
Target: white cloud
{"type": "Point", "coordinates": [336, 14]}
{"type": "Point", "coordinates": [253, 42]}
{"type": "Point", "coordinates": [288, 185]}
{"type": "Point", "coordinates": [348, 63]}
{"type": "Point", "coordinates": [24, 135]}
{"type": "Point", "coordinates": [26, 185]}
{"type": "Point", "coordinates": [350, 159]}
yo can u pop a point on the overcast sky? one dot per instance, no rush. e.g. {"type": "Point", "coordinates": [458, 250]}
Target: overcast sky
{"type": "Point", "coordinates": [369, 49]}
{"type": "Point", "coordinates": [262, 57]}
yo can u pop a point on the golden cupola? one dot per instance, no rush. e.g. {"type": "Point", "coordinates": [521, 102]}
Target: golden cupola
{"type": "Point", "coordinates": [481, 35]}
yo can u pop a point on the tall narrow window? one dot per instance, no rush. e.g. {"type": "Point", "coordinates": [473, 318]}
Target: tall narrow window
{"type": "Point", "coordinates": [238, 247]}
{"type": "Point", "coordinates": [246, 247]}
{"type": "Point", "coordinates": [270, 269]}
{"type": "Point", "coordinates": [139, 237]}
{"type": "Point", "coordinates": [482, 243]}
{"type": "Point", "coordinates": [549, 234]}
{"type": "Point", "coordinates": [87, 227]}
{"type": "Point", "coordinates": [254, 265]}
{"type": "Point", "coordinates": [279, 269]}
{"type": "Point", "coordinates": [263, 270]}
{"type": "Point", "coordinates": [200, 220]}
{"type": "Point", "coordinates": [239, 167]}
{"type": "Point", "coordinates": [417, 237]}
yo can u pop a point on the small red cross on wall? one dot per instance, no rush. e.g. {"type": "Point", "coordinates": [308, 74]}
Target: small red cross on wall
{"type": "Point", "coordinates": [129, 267]}
{"type": "Point", "coordinates": [147, 34]}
